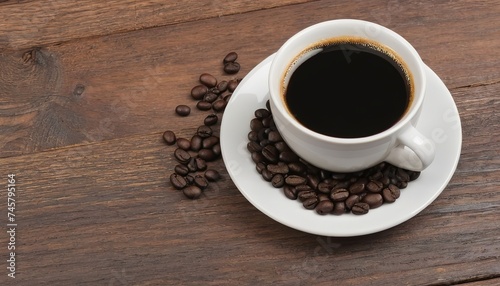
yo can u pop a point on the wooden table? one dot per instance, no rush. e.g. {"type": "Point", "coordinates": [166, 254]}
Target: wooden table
{"type": "Point", "coordinates": [88, 87]}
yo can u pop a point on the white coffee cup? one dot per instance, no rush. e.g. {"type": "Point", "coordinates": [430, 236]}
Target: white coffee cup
{"type": "Point", "coordinates": [401, 145]}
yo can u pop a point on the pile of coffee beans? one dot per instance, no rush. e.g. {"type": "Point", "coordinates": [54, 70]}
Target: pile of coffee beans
{"type": "Point", "coordinates": [192, 175]}
{"type": "Point", "coordinates": [324, 191]}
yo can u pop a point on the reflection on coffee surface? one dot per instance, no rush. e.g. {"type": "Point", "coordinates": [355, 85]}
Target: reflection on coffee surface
{"type": "Point", "coordinates": [351, 89]}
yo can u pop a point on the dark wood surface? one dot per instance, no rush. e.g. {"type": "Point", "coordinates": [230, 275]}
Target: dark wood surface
{"type": "Point", "coordinates": [87, 89]}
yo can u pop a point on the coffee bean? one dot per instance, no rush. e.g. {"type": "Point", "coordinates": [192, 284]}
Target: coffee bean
{"type": "Point", "coordinates": [192, 192]}
{"type": "Point", "coordinates": [269, 122]}
{"type": "Point", "coordinates": [230, 57]}
{"type": "Point", "coordinates": [222, 86]}
{"type": "Point", "coordinates": [209, 142]}
{"type": "Point", "coordinates": [274, 136]}
{"type": "Point", "coordinates": [215, 90]}
{"type": "Point", "coordinates": [212, 175]}
{"type": "Point", "coordinates": [181, 170]}
{"type": "Point", "coordinates": [227, 97]}
{"type": "Point", "coordinates": [182, 110]}
{"type": "Point", "coordinates": [200, 182]}
{"type": "Point", "coordinates": [204, 105]}
{"type": "Point", "coordinates": [253, 146]}
{"type": "Point", "coordinates": [219, 105]}
{"type": "Point", "coordinates": [280, 168]}
{"type": "Point", "coordinates": [339, 208]}
{"type": "Point", "coordinates": [199, 91]}
{"type": "Point", "coordinates": [253, 136]}
{"type": "Point", "coordinates": [259, 167]}
{"type": "Point", "coordinates": [374, 186]}
{"type": "Point", "coordinates": [339, 195]}
{"type": "Point", "coordinates": [232, 85]}
{"type": "Point", "coordinates": [324, 187]}
{"type": "Point", "coordinates": [310, 203]}
{"type": "Point", "coordinates": [351, 200]}
{"type": "Point", "coordinates": [402, 175]}
{"type": "Point", "coordinates": [232, 67]}
{"type": "Point", "coordinates": [210, 97]}
{"type": "Point", "coordinates": [262, 113]}
{"type": "Point", "coordinates": [256, 125]}
{"type": "Point", "coordinates": [208, 80]}
{"type": "Point", "coordinates": [357, 187]}
{"type": "Point", "coordinates": [288, 157]}
{"type": "Point", "coordinates": [339, 176]}
{"type": "Point", "coordinates": [207, 155]}
{"type": "Point", "coordinates": [257, 157]}
{"type": "Point", "coordinates": [391, 193]}
{"type": "Point", "coordinates": [324, 207]}
{"type": "Point", "coordinates": [191, 165]}
{"type": "Point", "coordinates": [182, 156]}
{"type": "Point", "coordinates": [216, 149]}
{"type": "Point", "coordinates": [360, 208]}
{"type": "Point", "coordinates": [278, 181]}
{"type": "Point", "coordinates": [211, 119]}
{"type": "Point", "coordinates": [184, 144]}
{"type": "Point", "coordinates": [295, 180]}
{"type": "Point", "coordinates": [189, 179]}
{"type": "Point", "coordinates": [290, 192]}
{"type": "Point", "coordinates": [385, 181]}
{"type": "Point", "coordinates": [297, 168]}
{"type": "Point", "coordinates": [377, 176]}
{"type": "Point", "coordinates": [178, 181]}
{"type": "Point", "coordinates": [373, 200]}
{"type": "Point", "coordinates": [169, 137]}
{"type": "Point", "coordinates": [201, 165]}
{"type": "Point", "coordinates": [196, 143]}
{"type": "Point", "coordinates": [312, 181]}
{"type": "Point", "coordinates": [204, 131]}
{"type": "Point", "coordinates": [270, 153]}
{"type": "Point", "coordinates": [267, 175]}
{"type": "Point", "coordinates": [306, 194]}
{"type": "Point", "coordinates": [413, 175]}
{"type": "Point", "coordinates": [402, 184]}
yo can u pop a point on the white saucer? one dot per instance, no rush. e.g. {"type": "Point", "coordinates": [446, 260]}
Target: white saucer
{"type": "Point", "coordinates": [439, 121]}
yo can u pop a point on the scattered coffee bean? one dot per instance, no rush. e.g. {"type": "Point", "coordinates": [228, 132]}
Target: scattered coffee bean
{"type": "Point", "coordinates": [351, 200]}
{"type": "Point", "coordinates": [169, 137]}
{"type": "Point", "coordinates": [182, 110]}
{"type": "Point", "coordinates": [278, 181]}
{"type": "Point", "coordinates": [310, 203]}
{"type": "Point", "coordinates": [182, 156]}
{"type": "Point", "coordinates": [339, 195]}
{"type": "Point", "coordinates": [201, 164]}
{"type": "Point", "coordinates": [373, 200]}
{"type": "Point", "coordinates": [181, 170]}
{"type": "Point", "coordinates": [391, 193]}
{"type": "Point", "coordinates": [191, 165]}
{"type": "Point", "coordinates": [270, 153]}
{"type": "Point", "coordinates": [192, 192]}
{"type": "Point", "coordinates": [232, 84]}
{"type": "Point", "coordinates": [290, 192]}
{"type": "Point", "coordinates": [196, 143]}
{"type": "Point", "coordinates": [210, 97]}
{"type": "Point", "coordinates": [219, 105]}
{"type": "Point", "coordinates": [211, 119]}
{"type": "Point", "coordinates": [374, 186]}
{"type": "Point", "coordinates": [280, 168]}
{"type": "Point", "coordinates": [324, 207]}
{"type": "Point", "coordinates": [230, 57]}
{"type": "Point", "coordinates": [203, 105]}
{"type": "Point", "coordinates": [295, 180]}
{"type": "Point", "coordinates": [208, 80]}
{"type": "Point", "coordinates": [209, 142]}
{"type": "Point", "coordinates": [216, 149]}
{"type": "Point", "coordinates": [212, 175]}
{"type": "Point", "coordinates": [200, 182]}
{"type": "Point", "coordinates": [204, 131]}
{"type": "Point", "coordinates": [262, 113]}
{"type": "Point", "coordinates": [232, 67]}
{"type": "Point", "coordinates": [207, 155]}
{"type": "Point", "coordinates": [199, 91]}
{"type": "Point", "coordinates": [360, 208]}
{"type": "Point", "coordinates": [184, 144]}
{"type": "Point", "coordinates": [339, 208]}
{"type": "Point", "coordinates": [178, 181]}
{"type": "Point", "coordinates": [222, 86]}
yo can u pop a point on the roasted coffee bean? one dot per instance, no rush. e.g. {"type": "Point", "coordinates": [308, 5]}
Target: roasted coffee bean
{"type": "Point", "coordinates": [222, 86]}
{"type": "Point", "coordinates": [402, 184]}
{"type": "Point", "coordinates": [391, 193]}
{"type": "Point", "coordinates": [324, 207]}
{"type": "Point", "coordinates": [209, 142]}
{"type": "Point", "coordinates": [373, 200]}
{"type": "Point", "coordinates": [210, 97]}
{"type": "Point", "coordinates": [232, 85]}
{"type": "Point", "coordinates": [339, 195]}
{"type": "Point", "coordinates": [269, 122]}
{"type": "Point", "coordinates": [182, 156]}
{"type": "Point", "coordinates": [278, 180]}
{"type": "Point", "coordinates": [215, 90]}
{"type": "Point", "coordinates": [274, 136]}
{"type": "Point", "coordinates": [324, 187]}
{"type": "Point", "coordinates": [199, 91]}
{"type": "Point", "coordinates": [280, 168]}
{"type": "Point", "coordinates": [208, 80]}
{"type": "Point", "coordinates": [169, 137]}
{"type": "Point", "coordinates": [262, 113]}
{"type": "Point", "coordinates": [219, 105]}
{"type": "Point", "coordinates": [310, 203]}
{"type": "Point", "coordinates": [232, 67]}
{"type": "Point", "coordinates": [357, 187]}
{"type": "Point", "coordinates": [207, 155]}
{"type": "Point", "coordinates": [262, 134]}
{"type": "Point", "coordinates": [302, 188]}
{"type": "Point", "coordinates": [325, 175]}
{"type": "Point", "coordinates": [323, 197]}
{"type": "Point", "coordinates": [282, 147]}
{"type": "Point", "coordinates": [260, 166]}
{"type": "Point", "coordinates": [192, 192]}
{"type": "Point", "coordinates": [297, 168]}
{"type": "Point", "coordinates": [339, 176]}
{"type": "Point", "coordinates": [253, 136]}
{"type": "Point", "coordinates": [253, 146]}
{"type": "Point", "coordinates": [351, 200]}
{"type": "Point", "coordinates": [181, 170]}
{"type": "Point", "coordinates": [189, 179]}
{"type": "Point", "coordinates": [196, 142]}
{"type": "Point", "coordinates": [290, 192]}
{"type": "Point", "coordinates": [295, 180]}
{"type": "Point", "coordinates": [360, 208]}
{"type": "Point", "coordinates": [288, 156]}
{"type": "Point", "coordinates": [339, 208]}
{"type": "Point", "coordinates": [257, 157]}
{"type": "Point", "coordinates": [204, 131]}
{"type": "Point", "coordinates": [402, 175]}
{"type": "Point", "coordinates": [265, 142]}
{"type": "Point", "coordinates": [230, 57]}
{"type": "Point", "coordinates": [374, 186]}
{"type": "Point", "coordinates": [192, 165]}
{"type": "Point", "coordinates": [200, 182]}
{"type": "Point", "coordinates": [204, 105]}
{"type": "Point", "coordinates": [227, 97]}
{"type": "Point", "coordinates": [211, 119]}
{"type": "Point", "coordinates": [413, 175]}
{"type": "Point", "coordinates": [212, 175]}
{"type": "Point", "coordinates": [304, 195]}
{"type": "Point", "coordinates": [201, 165]}
{"type": "Point", "coordinates": [267, 175]}
{"type": "Point", "coordinates": [178, 181]}
{"type": "Point", "coordinates": [312, 181]}
{"type": "Point", "coordinates": [216, 149]}
{"type": "Point", "coordinates": [256, 125]}
{"type": "Point", "coordinates": [385, 181]}
{"type": "Point", "coordinates": [182, 110]}
{"type": "Point", "coordinates": [184, 144]}
{"type": "Point", "coordinates": [270, 153]}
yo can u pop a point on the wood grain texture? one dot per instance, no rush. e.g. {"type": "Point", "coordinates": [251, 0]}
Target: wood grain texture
{"type": "Point", "coordinates": [35, 23]}
{"type": "Point", "coordinates": [83, 107]}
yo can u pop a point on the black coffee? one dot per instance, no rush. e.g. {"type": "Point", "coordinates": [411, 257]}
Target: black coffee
{"type": "Point", "coordinates": [349, 90]}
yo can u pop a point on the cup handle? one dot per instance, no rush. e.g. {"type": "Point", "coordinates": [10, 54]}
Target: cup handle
{"type": "Point", "coordinates": [414, 152]}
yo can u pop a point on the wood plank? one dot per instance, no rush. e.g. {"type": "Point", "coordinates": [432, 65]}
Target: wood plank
{"type": "Point", "coordinates": [120, 85]}
{"type": "Point", "coordinates": [36, 23]}
{"type": "Point", "coordinates": [102, 212]}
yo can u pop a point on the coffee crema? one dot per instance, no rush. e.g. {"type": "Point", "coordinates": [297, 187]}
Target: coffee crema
{"type": "Point", "coordinates": [350, 88]}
